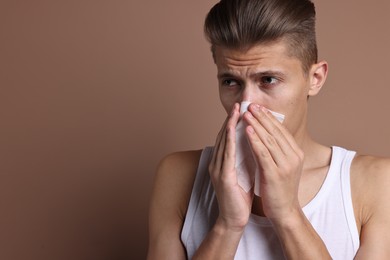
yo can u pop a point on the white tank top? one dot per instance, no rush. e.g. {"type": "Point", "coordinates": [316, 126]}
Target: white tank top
{"type": "Point", "coordinates": [330, 212]}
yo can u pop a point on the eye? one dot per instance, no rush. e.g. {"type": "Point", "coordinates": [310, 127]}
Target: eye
{"type": "Point", "coordinates": [269, 80]}
{"type": "Point", "coordinates": [229, 83]}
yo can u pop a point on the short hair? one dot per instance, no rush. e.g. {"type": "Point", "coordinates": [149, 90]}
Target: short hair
{"type": "Point", "coordinates": [242, 24]}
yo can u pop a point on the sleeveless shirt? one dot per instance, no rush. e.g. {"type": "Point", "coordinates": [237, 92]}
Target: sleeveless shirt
{"type": "Point", "coordinates": [330, 212]}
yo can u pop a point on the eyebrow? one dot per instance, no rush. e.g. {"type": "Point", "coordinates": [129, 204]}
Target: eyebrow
{"type": "Point", "coordinates": [258, 74]}
{"type": "Point", "coordinates": [226, 75]}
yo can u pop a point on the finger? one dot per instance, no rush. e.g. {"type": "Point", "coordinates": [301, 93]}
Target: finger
{"type": "Point", "coordinates": [217, 158]}
{"type": "Point", "coordinates": [230, 148]}
{"type": "Point", "coordinates": [265, 159]}
{"type": "Point", "coordinates": [217, 147]}
{"type": "Point", "coordinates": [269, 134]}
{"type": "Point", "coordinates": [292, 144]}
{"type": "Point", "coordinates": [219, 154]}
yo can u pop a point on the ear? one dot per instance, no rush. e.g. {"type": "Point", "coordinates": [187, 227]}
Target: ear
{"type": "Point", "coordinates": [318, 73]}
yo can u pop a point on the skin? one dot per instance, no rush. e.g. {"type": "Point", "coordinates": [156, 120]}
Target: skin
{"type": "Point", "coordinates": [293, 165]}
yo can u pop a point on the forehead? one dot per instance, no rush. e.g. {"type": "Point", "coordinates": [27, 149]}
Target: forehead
{"type": "Point", "coordinates": [269, 56]}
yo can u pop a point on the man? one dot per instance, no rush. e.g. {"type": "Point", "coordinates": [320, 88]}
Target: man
{"type": "Point", "coordinates": [315, 202]}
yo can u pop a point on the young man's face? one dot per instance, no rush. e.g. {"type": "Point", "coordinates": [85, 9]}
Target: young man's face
{"type": "Point", "coordinates": [268, 76]}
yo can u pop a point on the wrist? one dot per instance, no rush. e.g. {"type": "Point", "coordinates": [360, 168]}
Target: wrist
{"type": "Point", "coordinates": [225, 227]}
{"type": "Point", "coordinates": [292, 221]}
{"type": "Point", "coordinates": [298, 237]}
{"type": "Point", "coordinates": [220, 243]}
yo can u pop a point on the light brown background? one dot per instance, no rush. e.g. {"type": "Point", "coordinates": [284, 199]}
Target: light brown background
{"type": "Point", "coordinates": [94, 93]}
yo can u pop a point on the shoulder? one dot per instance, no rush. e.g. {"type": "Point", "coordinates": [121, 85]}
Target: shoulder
{"type": "Point", "coordinates": [179, 164]}
{"type": "Point", "coordinates": [174, 179]}
{"type": "Point", "coordinates": [175, 176]}
{"type": "Point", "coordinates": [371, 170]}
{"type": "Point", "coordinates": [370, 177]}
{"type": "Point", "coordinates": [168, 204]}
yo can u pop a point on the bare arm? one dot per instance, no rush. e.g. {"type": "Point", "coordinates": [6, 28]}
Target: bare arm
{"type": "Point", "coordinates": [371, 191]}
{"type": "Point", "coordinates": [169, 202]}
{"type": "Point", "coordinates": [299, 239]}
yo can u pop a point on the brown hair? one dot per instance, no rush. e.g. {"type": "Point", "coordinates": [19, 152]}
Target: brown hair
{"type": "Point", "coordinates": [241, 24]}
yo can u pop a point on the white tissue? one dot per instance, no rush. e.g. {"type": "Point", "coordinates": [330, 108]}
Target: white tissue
{"type": "Point", "coordinates": [248, 173]}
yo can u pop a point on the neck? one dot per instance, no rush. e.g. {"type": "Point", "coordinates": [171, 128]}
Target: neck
{"type": "Point", "coordinates": [316, 154]}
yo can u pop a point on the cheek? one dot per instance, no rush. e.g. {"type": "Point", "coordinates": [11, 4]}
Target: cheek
{"type": "Point", "coordinates": [296, 106]}
{"type": "Point", "coordinates": [297, 97]}
{"type": "Point", "coordinates": [293, 105]}
{"type": "Point", "coordinates": [296, 114]}
{"type": "Point", "coordinates": [227, 103]}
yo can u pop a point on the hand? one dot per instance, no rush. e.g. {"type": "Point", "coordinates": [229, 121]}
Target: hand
{"type": "Point", "coordinates": [234, 203]}
{"type": "Point", "coordinates": [280, 161]}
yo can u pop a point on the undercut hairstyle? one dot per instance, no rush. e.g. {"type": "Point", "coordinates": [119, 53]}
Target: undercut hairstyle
{"type": "Point", "coordinates": [242, 24]}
